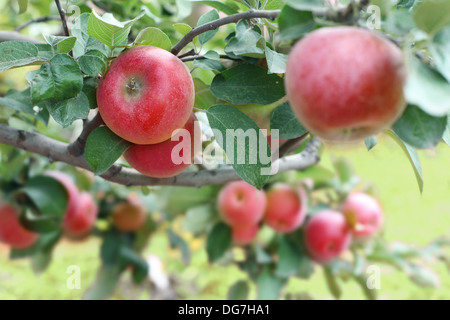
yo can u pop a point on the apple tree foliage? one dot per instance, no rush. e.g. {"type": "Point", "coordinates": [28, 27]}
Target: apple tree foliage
{"type": "Point", "coordinates": [240, 63]}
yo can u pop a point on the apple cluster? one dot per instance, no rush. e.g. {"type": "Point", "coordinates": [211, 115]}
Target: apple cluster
{"type": "Point", "coordinates": [145, 98]}
{"type": "Point", "coordinates": [327, 233]}
{"type": "Point", "coordinates": [81, 212]}
{"type": "Point", "coordinates": [79, 217]}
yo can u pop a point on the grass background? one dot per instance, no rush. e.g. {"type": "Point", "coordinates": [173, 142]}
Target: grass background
{"type": "Point", "coordinates": [409, 217]}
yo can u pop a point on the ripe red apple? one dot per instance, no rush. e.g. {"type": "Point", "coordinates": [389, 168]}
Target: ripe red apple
{"type": "Point", "coordinates": [83, 220]}
{"type": "Point", "coordinates": [363, 213]}
{"type": "Point", "coordinates": [11, 231]}
{"type": "Point", "coordinates": [129, 215]}
{"type": "Point", "coordinates": [244, 235]}
{"type": "Point", "coordinates": [327, 235]}
{"type": "Point", "coordinates": [286, 208]}
{"type": "Point", "coordinates": [156, 160]}
{"type": "Point", "coordinates": [345, 83]}
{"type": "Point", "coordinates": [146, 94]}
{"type": "Point", "coordinates": [241, 204]}
{"type": "Point", "coordinates": [72, 192]}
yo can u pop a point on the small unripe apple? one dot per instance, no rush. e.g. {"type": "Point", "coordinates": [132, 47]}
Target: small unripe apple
{"type": "Point", "coordinates": [241, 204]}
{"type": "Point", "coordinates": [146, 95]}
{"type": "Point", "coordinates": [286, 208]}
{"type": "Point", "coordinates": [156, 160]}
{"type": "Point", "coordinates": [83, 220]}
{"type": "Point", "coordinates": [11, 231]}
{"type": "Point", "coordinates": [345, 83]}
{"type": "Point", "coordinates": [244, 235]}
{"type": "Point", "coordinates": [130, 215]}
{"type": "Point", "coordinates": [363, 213]}
{"type": "Point", "coordinates": [72, 192]}
{"type": "Point", "coordinates": [327, 235]}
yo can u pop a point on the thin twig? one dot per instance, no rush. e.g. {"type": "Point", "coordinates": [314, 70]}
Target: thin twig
{"type": "Point", "coordinates": [62, 14]}
{"type": "Point", "coordinates": [76, 148]}
{"type": "Point", "coordinates": [37, 20]}
{"type": "Point", "coordinates": [251, 14]}
{"type": "Point", "coordinates": [192, 58]}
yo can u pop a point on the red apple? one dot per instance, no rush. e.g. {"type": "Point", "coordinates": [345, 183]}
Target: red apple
{"type": "Point", "coordinates": [72, 192]}
{"type": "Point", "coordinates": [244, 235]}
{"type": "Point", "coordinates": [345, 83]}
{"type": "Point", "coordinates": [363, 213]}
{"type": "Point", "coordinates": [327, 235]}
{"type": "Point", "coordinates": [286, 208]}
{"type": "Point", "coordinates": [156, 160]}
{"type": "Point", "coordinates": [11, 231]}
{"type": "Point", "coordinates": [241, 204]}
{"type": "Point", "coordinates": [83, 220]}
{"type": "Point", "coordinates": [129, 215]}
{"type": "Point", "coordinates": [146, 95]}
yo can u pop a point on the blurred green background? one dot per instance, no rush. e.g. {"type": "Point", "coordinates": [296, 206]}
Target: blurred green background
{"type": "Point", "coordinates": [409, 217]}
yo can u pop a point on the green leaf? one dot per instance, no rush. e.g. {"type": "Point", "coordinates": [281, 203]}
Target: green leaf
{"type": "Point", "coordinates": [294, 24]}
{"type": "Point", "coordinates": [198, 218]}
{"type": "Point", "coordinates": [412, 157]}
{"type": "Point", "coordinates": [332, 283]}
{"type": "Point", "coordinates": [419, 129]}
{"type": "Point", "coordinates": [446, 135]}
{"type": "Point", "coordinates": [268, 285]}
{"type": "Point", "coordinates": [60, 79]}
{"type": "Point", "coordinates": [238, 291]}
{"type": "Point", "coordinates": [90, 90]}
{"type": "Point", "coordinates": [184, 9]}
{"type": "Point", "coordinates": [243, 142]}
{"type": "Point", "coordinates": [108, 29]}
{"type": "Point", "coordinates": [63, 44]}
{"type": "Point", "coordinates": [17, 54]}
{"type": "Point", "coordinates": [343, 168]}
{"type": "Point", "coordinates": [227, 8]}
{"type": "Point", "coordinates": [309, 5]}
{"type": "Point", "coordinates": [276, 62]}
{"type": "Point", "coordinates": [423, 276]}
{"type": "Point", "coordinates": [247, 42]}
{"type": "Point", "coordinates": [67, 111]}
{"type": "Point", "coordinates": [93, 63]}
{"type": "Point", "coordinates": [128, 257]}
{"type": "Point", "coordinates": [110, 248]}
{"type": "Point", "coordinates": [289, 258]}
{"type": "Point", "coordinates": [204, 19]}
{"type": "Point", "coordinates": [203, 95]}
{"type": "Point", "coordinates": [103, 148]}
{"type": "Point", "coordinates": [153, 37]}
{"type": "Point", "coordinates": [41, 223]}
{"type": "Point", "coordinates": [274, 4]}
{"type": "Point", "coordinates": [432, 16]}
{"type": "Point", "coordinates": [48, 194]}
{"type": "Point", "coordinates": [218, 242]}
{"type": "Point", "coordinates": [209, 64]}
{"type": "Point", "coordinates": [177, 242]}
{"type": "Point", "coordinates": [261, 256]}
{"type": "Point", "coordinates": [84, 42]}
{"type": "Point", "coordinates": [23, 5]}
{"type": "Point", "coordinates": [21, 101]}
{"type": "Point", "coordinates": [182, 28]}
{"type": "Point", "coordinates": [247, 83]}
{"type": "Point", "coordinates": [105, 283]}
{"type": "Point", "coordinates": [371, 142]}
{"type": "Point", "coordinates": [440, 50]}
{"type": "Point", "coordinates": [427, 89]}
{"type": "Point", "coordinates": [285, 121]}
{"type": "Point", "coordinates": [211, 54]}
